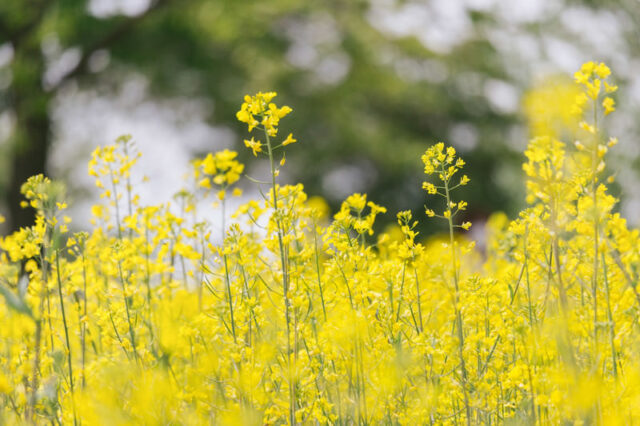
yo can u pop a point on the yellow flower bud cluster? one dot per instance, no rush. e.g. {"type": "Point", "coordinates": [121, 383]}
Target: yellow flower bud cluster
{"type": "Point", "coordinates": [442, 161]}
{"type": "Point", "coordinates": [592, 77]}
{"type": "Point", "coordinates": [352, 214]}
{"type": "Point", "coordinates": [220, 169]}
{"type": "Point", "coordinates": [259, 110]}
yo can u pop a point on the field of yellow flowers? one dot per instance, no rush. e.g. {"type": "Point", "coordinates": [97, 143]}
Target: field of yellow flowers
{"type": "Point", "coordinates": [287, 316]}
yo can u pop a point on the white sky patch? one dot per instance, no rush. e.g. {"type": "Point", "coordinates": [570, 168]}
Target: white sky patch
{"type": "Point", "coordinates": [439, 24]}
{"type": "Point", "coordinates": [60, 66]}
{"type": "Point", "coordinates": [346, 179]}
{"type": "Point", "coordinates": [631, 208]}
{"type": "Point", "coordinates": [6, 54]}
{"type": "Point", "coordinates": [168, 133]}
{"type": "Point", "coordinates": [526, 11]}
{"type": "Point", "coordinates": [333, 68]}
{"type": "Point", "coordinates": [412, 69]}
{"type": "Point", "coordinates": [634, 90]}
{"type": "Point", "coordinates": [601, 30]}
{"type": "Point", "coordinates": [565, 55]}
{"type": "Point", "coordinates": [302, 55]}
{"type": "Point", "coordinates": [315, 46]}
{"type": "Point", "coordinates": [106, 8]}
{"type": "Point", "coordinates": [463, 136]}
{"type": "Point", "coordinates": [502, 96]}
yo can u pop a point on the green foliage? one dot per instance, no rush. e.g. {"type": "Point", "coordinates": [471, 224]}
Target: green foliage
{"type": "Point", "coordinates": [395, 98]}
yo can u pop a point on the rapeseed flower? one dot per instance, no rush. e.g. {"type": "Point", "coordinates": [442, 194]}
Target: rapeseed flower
{"type": "Point", "coordinates": [286, 315]}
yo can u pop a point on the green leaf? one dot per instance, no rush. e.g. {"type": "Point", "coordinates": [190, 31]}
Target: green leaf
{"type": "Point", "coordinates": [15, 302]}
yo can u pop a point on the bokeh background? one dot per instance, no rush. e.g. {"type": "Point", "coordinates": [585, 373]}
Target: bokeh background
{"type": "Point", "coordinates": [372, 83]}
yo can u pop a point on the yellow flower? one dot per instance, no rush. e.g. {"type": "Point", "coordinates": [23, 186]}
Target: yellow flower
{"type": "Point", "coordinates": [608, 105]}
{"type": "Point", "coordinates": [602, 70]}
{"type": "Point", "coordinates": [255, 146]}
{"type": "Point", "coordinates": [178, 315]}
{"type": "Point", "coordinates": [429, 187]}
{"type": "Point", "coordinates": [289, 140]}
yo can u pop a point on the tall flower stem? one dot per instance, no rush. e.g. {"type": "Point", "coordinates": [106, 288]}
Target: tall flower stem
{"type": "Point", "coordinates": [285, 279]}
{"type": "Point", "coordinates": [596, 228]}
{"type": "Point", "coordinates": [227, 278]}
{"type": "Point", "coordinates": [456, 301]}
{"type": "Point", "coordinates": [30, 412]}
{"type": "Point", "coordinates": [66, 335]}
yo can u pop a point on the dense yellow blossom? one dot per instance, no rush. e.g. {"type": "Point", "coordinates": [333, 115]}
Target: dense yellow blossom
{"type": "Point", "coordinates": [551, 109]}
{"type": "Point", "coordinates": [168, 315]}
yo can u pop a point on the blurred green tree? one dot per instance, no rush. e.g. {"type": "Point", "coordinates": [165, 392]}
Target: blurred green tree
{"type": "Point", "coordinates": [367, 101]}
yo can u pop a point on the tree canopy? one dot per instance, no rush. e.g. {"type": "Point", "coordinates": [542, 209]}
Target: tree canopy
{"type": "Point", "coordinates": [373, 83]}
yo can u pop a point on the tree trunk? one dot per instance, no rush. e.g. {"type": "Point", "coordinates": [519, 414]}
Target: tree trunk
{"type": "Point", "coordinates": [32, 135]}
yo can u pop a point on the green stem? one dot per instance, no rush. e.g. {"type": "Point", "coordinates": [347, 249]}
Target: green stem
{"type": "Point", "coordinates": [612, 332]}
{"type": "Point", "coordinates": [285, 279]}
{"type": "Point", "coordinates": [30, 411]}
{"type": "Point", "coordinates": [83, 331]}
{"type": "Point", "coordinates": [227, 278]}
{"type": "Point", "coordinates": [201, 279]}
{"type": "Point", "coordinates": [315, 245]}
{"type": "Point", "coordinates": [132, 335]}
{"type": "Point", "coordinates": [526, 266]}
{"type": "Point", "coordinates": [596, 229]}
{"type": "Point", "coordinates": [404, 267]}
{"type": "Point", "coordinates": [415, 273]}
{"type": "Point", "coordinates": [456, 302]}
{"type": "Point", "coordinates": [66, 335]}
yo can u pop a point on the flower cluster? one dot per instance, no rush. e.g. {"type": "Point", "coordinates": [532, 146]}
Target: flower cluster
{"type": "Point", "coordinates": [351, 214]}
{"type": "Point", "coordinates": [258, 110]}
{"type": "Point", "coordinates": [154, 316]}
{"type": "Point", "coordinates": [444, 163]}
{"type": "Point", "coordinates": [220, 169]}
{"type": "Point", "coordinates": [592, 77]}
